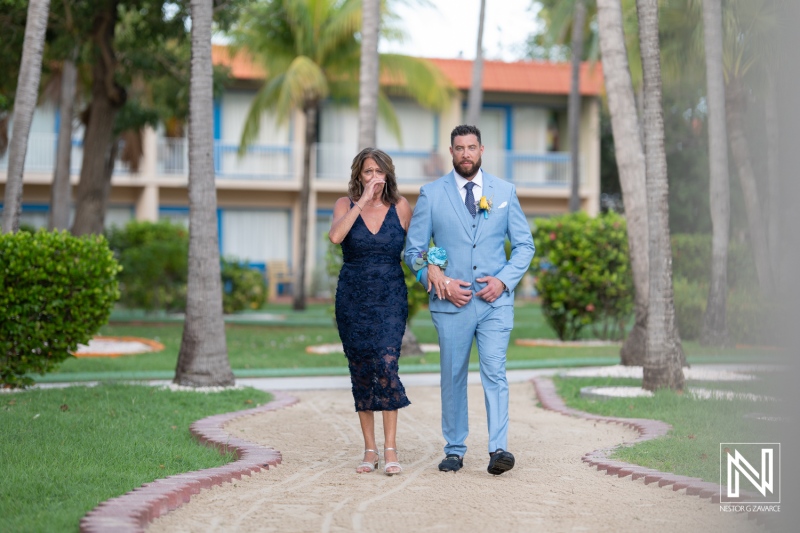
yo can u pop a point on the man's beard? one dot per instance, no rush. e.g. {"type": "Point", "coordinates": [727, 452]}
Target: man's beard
{"type": "Point", "coordinates": [476, 166]}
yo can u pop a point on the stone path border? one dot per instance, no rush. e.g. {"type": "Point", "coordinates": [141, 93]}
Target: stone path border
{"type": "Point", "coordinates": [133, 511]}
{"type": "Point", "coordinates": [648, 430]}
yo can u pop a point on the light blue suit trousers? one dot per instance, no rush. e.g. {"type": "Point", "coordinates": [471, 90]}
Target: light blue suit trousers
{"type": "Point", "coordinates": [475, 248]}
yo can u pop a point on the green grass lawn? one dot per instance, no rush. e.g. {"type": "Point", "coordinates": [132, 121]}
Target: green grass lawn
{"type": "Point", "coordinates": [280, 347]}
{"type": "Point", "coordinates": [698, 426]}
{"type": "Point", "coordinates": [64, 451]}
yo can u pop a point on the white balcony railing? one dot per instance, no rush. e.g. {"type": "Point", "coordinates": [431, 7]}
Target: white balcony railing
{"type": "Point", "coordinates": [524, 169]}
{"type": "Point", "coordinates": [258, 162]}
{"type": "Point", "coordinates": [332, 162]}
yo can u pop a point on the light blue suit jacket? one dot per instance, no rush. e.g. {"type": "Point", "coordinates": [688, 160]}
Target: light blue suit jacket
{"type": "Point", "coordinates": [475, 246]}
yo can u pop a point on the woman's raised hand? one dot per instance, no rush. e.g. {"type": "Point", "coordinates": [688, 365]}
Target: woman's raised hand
{"type": "Point", "coordinates": [370, 188]}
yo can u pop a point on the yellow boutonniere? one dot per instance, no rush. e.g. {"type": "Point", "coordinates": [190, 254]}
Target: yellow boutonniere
{"type": "Point", "coordinates": [485, 205]}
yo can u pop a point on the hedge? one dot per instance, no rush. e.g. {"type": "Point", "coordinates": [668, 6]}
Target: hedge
{"type": "Point", "coordinates": [56, 291]}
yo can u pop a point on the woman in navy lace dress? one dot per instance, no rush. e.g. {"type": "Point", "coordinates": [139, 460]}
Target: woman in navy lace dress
{"type": "Point", "coordinates": [371, 297]}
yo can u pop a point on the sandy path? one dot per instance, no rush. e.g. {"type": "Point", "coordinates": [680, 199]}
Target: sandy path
{"type": "Point", "coordinates": [316, 488]}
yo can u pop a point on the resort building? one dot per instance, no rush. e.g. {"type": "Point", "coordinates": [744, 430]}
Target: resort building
{"type": "Point", "coordinates": [523, 125]}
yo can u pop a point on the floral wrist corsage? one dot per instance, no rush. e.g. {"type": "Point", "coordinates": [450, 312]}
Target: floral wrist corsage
{"type": "Point", "coordinates": [485, 205]}
{"type": "Point", "coordinates": [433, 256]}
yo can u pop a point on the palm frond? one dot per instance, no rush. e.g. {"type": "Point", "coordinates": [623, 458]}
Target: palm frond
{"type": "Point", "coordinates": [418, 78]}
{"type": "Point", "coordinates": [386, 112]}
{"type": "Point", "coordinates": [265, 100]}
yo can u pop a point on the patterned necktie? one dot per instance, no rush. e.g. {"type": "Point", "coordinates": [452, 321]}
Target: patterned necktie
{"type": "Point", "coordinates": [470, 199]}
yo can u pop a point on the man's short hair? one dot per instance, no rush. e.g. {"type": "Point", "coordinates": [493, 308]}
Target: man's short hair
{"type": "Point", "coordinates": [464, 129]}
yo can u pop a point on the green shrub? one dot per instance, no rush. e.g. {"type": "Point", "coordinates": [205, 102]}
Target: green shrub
{"type": "Point", "coordinates": [155, 261]}
{"type": "Point", "coordinates": [154, 258]}
{"type": "Point", "coordinates": [56, 291]}
{"type": "Point", "coordinates": [242, 287]}
{"type": "Point", "coordinates": [745, 314]}
{"type": "Point", "coordinates": [691, 260]}
{"type": "Point", "coordinates": [690, 305]}
{"type": "Point", "coordinates": [583, 274]}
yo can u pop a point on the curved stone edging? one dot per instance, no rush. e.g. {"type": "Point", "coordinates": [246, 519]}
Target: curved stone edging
{"type": "Point", "coordinates": [133, 511]}
{"type": "Point", "coordinates": [648, 429]}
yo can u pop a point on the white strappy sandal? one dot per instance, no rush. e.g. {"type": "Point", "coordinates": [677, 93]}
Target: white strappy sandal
{"type": "Point", "coordinates": [368, 466]}
{"type": "Point", "coordinates": [391, 464]}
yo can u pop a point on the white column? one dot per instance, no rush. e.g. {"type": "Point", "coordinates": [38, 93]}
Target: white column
{"type": "Point", "coordinates": [147, 169]}
{"type": "Point", "coordinates": [147, 203]}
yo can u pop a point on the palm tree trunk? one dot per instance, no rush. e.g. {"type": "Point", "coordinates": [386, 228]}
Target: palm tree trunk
{"type": "Point", "coordinates": [369, 74]}
{"type": "Point", "coordinates": [30, 73]}
{"type": "Point", "coordinates": [664, 359]}
{"type": "Point", "coordinates": [631, 165]}
{"type": "Point", "coordinates": [203, 357]}
{"type": "Point", "coordinates": [60, 192]}
{"type": "Point", "coordinates": [475, 98]}
{"type": "Point", "coordinates": [299, 286]}
{"type": "Point", "coordinates": [108, 97]}
{"type": "Point", "coordinates": [574, 111]}
{"type": "Point", "coordinates": [773, 176]}
{"type": "Point", "coordinates": [740, 151]}
{"type": "Point", "coordinates": [714, 322]}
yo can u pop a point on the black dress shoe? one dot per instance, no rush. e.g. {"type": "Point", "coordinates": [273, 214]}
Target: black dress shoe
{"type": "Point", "coordinates": [500, 461]}
{"type": "Point", "coordinates": [451, 463]}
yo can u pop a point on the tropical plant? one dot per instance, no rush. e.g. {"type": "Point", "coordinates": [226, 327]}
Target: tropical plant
{"type": "Point", "coordinates": [25, 103]}
{"type": "Point", "coordinates": [56, 291]}
{"type": "Point", "coordinates": [664, 356]}
{"type": "Point", "coordinates": [203, 357]}
{"type": "Point", "coordinates": [475, 97]}
{"type": "Point", "coordinates": [714, 322]}
{"type": "Point", "coordinates": [574, 103]}
{"type": "Point", "coordinates": [583, 274]}
{"type": "Point", "coordinates": [630, 162]}
{"type": "Point", "coordinates": [242, 287]}
{"type": "Point", "coordinates": [310, 52]}
{"type": "Point", "coordinates": [369, 84]}
{"type": "Point", "coordinates": [154, 259]}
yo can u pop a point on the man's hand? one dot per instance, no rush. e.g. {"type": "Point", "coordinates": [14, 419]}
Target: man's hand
{"type": "Point", "coordinates": [492, 291]}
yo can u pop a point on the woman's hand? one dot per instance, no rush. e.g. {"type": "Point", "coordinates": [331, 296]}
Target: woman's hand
{"type": "Point", "coordinates": [371, 187]}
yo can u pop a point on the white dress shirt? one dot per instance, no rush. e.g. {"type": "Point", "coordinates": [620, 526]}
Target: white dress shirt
{"type": "Point", "coordinates": [461, 181]}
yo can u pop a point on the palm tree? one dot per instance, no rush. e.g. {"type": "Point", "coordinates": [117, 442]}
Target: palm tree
{"type": "Point", "coordinates": [664, 357]}
{"type": "Point", "coordinates": [368, 75]}
{"type": "Point", "coordinates": [714, 327]}
{"type": "Point", "coordinates": [631, 165]}
{"type": "Point", "coordinates": [574, 106]}
{"type": "Point", "coordinates": [30, 73]}
{"type": "Point", "coordinates": [203, 357]}
{"type": "Point", "coordinates": [749, 25]}
{"type": "Point", "coordinates": [475, 98]}
{"type": "Point", "coordinates": [60, 190]}
{"type": "Point", "coordinates": [309, 52]}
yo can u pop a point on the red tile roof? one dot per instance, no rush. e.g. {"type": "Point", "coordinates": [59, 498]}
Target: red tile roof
{"type": "Point", "coordinates": [536, 77]}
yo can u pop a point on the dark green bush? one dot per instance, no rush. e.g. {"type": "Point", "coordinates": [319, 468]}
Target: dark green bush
{"type": "Point", "coordinates": [56, 291]}
{"type": "Point", "coordinates": [154, 259]}
{"type": "Point", "coordinates": [746, 312]}
{"type": "Point", "coordinates": [242, 287]}
{"type": "Point", "coordinates": [691, 260]}
{"type": "Point", "coordinates": [583, 274]}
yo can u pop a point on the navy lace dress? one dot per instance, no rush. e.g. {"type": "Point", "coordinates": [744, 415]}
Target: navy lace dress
{"type": "Point", "coordinates": [371, 312]}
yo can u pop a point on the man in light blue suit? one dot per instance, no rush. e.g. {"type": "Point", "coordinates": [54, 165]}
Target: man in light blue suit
{"type": "Point", "coordinates": [470, 213]}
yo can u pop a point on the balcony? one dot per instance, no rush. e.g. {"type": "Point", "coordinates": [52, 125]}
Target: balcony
{"type": "Point", "coordinates": [272, 163]}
